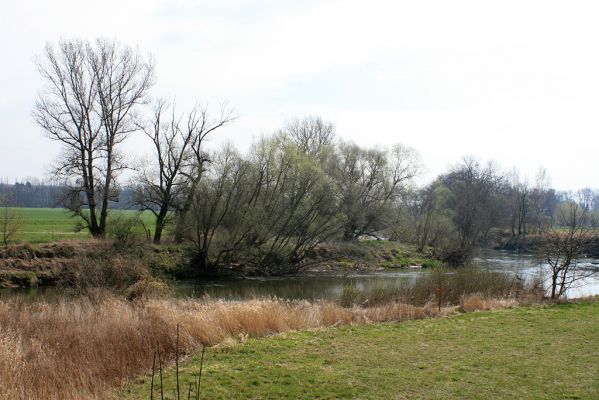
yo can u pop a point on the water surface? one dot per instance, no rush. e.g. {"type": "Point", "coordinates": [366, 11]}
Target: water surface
{"type": "Point", "coordinates": [318, 286]}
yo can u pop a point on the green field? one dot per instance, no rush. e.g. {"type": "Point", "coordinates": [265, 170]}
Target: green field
{"type": "Point", "coordinates": [529, 353]}
{"type": "Point", "coordinates": [52, 224]}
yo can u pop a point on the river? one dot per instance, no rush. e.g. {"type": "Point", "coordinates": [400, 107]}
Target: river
{"type": "Point", "coordinates": [318, 286]}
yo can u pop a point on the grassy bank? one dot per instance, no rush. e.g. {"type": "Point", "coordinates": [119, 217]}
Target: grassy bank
{"type": "Point", "coordinates": [545, 352]}
{"type": "Point", "coordinates": [367, 255]}
{"type": "Point", "coordinates": [46, 225]}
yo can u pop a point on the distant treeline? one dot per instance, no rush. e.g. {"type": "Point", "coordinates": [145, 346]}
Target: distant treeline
{"type": "Point", "coordinates": [36, 193]}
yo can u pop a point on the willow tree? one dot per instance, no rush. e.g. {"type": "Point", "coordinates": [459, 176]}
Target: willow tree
{"type": "Point", "coordinates": [369, 182]}
{"type": "Point", "coordinates": [473, 201]}
{"type": "Point", "coordinates": [310, 134]}
{"type": "Point", "coordinates": [88, 104]}
{"type": "Point", "coordinates": [267, 209]}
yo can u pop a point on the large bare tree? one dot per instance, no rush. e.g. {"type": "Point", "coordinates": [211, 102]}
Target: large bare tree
{"type": "Point", "coordinates": [89, 105]}
{"type": "Point", "coordinates": [164, 185]}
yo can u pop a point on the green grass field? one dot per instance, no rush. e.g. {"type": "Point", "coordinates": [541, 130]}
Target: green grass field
{"type": "Point", "coordinates": [529, 353]}
{"type": "Point", "coordinates": [51, 224]}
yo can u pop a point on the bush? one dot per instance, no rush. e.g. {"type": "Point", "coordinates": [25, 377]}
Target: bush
{"type": "Point", "coordinates": [350, 295]}
{"type": "Point", "coordinates": [112, 271]}
{"type": "Point", "coordinates": [441, 286]}
{"type": "Point", "coordinates": [122, 229]}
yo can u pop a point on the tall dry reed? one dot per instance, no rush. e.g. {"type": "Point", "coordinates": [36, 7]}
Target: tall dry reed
{"type": "Point", "coordinates": [82, 348]}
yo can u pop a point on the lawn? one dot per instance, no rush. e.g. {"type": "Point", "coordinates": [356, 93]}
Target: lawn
{"type": "Point", "coordinates": [549, 352]}
{"type": "Point", "coordinates": [51, 224]}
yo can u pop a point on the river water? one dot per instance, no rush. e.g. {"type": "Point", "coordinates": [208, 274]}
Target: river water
{"type": "Point", "coordinates": [313, 287]}
{"type": "Point", "coordinates": [318, 286]}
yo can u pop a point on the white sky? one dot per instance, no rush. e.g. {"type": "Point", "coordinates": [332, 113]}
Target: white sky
{"type": "Point", "coordinates": [512, 81]}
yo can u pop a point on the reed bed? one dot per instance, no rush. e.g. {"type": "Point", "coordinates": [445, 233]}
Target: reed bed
{"type": "Point", "coordinates": [85, 347]}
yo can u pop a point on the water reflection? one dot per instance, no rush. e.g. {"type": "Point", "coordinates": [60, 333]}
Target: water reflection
{"type": "Point", "coordinates": [311, 287]}
{"type": "Point", "coordinates": [528, 267]}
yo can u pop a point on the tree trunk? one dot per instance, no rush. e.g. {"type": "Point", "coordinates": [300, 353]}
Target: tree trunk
{"type": "Point", "coordinates": [160, 223]}
{"type": "Point", "coordinates": [202, 261]}
{"type": "Point", "coordinates": [553, 285]}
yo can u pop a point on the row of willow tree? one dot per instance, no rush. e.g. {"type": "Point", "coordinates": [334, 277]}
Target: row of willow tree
{"type": "Point", "coordinates": [272, 204]}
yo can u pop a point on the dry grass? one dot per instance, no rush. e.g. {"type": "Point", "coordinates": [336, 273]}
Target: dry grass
{"type": "Point", "coordinates": [85, 347]}
{"type": "Point", "coordinates": [446, 287]}
{"type": "Point", "coordinates": [478, 302]}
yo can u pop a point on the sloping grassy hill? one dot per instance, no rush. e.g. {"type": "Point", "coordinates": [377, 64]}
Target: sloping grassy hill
{"type": "Point", "coordinates": [530, 353]}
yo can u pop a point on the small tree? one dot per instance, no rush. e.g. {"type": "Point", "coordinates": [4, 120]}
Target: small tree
{"type": "Point", "coordinates": [11, 221]}
{"type": "Point", "coordinates": [564, 243]}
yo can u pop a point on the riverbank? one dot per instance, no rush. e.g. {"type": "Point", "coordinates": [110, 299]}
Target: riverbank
{"type": "Point", "coordinates": [539, 352]}
{"type": "Point", "coordinates": [84, 346]}
{"type": "Point", "coordinates": [95, 263]}
{"type": "Point", "coordinates": [532, 243]}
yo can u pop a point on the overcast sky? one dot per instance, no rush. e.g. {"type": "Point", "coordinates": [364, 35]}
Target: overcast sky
{"type": "Point", "coordinates": [516, 82]}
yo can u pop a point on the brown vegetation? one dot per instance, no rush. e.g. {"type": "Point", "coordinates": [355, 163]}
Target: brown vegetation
{"type": "Point", "coordinates": [446, 287]}
{"type": "Point", "coordinates": [82, 348]}
{"type": "Point", "coordinates": [91, 263]}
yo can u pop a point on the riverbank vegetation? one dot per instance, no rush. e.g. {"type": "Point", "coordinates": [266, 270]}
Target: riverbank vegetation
{"type": "Point", "coordinates": [84, 346]}
{"type": "Point", "coordinates": [273, 208]}
{"type": "Point", "coordinates": [93, 263]}
{"type": "Point", "coordinates": [270, 206]}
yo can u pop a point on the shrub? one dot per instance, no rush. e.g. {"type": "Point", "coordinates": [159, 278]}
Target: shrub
{"type": "Point", "coordinates": [122, 229]}
{"type": "Point", "coordinates": [350, 295]}
{"type": "Point", "coordinates": [441, 286]}
{"type": "Point", "coordinates": [112, 271]}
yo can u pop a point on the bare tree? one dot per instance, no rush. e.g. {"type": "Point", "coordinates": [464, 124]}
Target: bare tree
{"type": "Point", "coordinates": [88, 104]}
{"type": "Point", "coordinates": [177, 142]}
{"type": "Point", "coordinates": [564, 243]}
{"type": "Point", "coordinates": [543, 202]}
{"type": "Point", "coordinates": [11, 221]}
{"type": "Point", "coordinates": [199, 157]}
{"type": "Point", "coordinates": [310, 134]}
